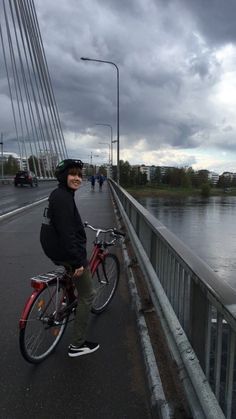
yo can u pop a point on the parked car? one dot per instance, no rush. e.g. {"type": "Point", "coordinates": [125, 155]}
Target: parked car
{"type": "Point", "coordinates": [25, 177]}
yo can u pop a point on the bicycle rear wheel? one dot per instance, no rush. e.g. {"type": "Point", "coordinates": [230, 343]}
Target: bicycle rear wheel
{"type": "Point", "coordinates": [106, 278]}
{"type": "Point", "coordinates": [43, 327]}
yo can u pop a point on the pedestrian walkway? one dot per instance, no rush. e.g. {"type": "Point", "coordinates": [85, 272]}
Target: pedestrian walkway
{"type": "Point", "coordinates": [120, 352]}
{"type": "Point", "coordinates": [95, 205]}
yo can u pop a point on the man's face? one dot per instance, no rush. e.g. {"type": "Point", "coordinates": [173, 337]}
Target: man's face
{"type": "Point", "coordinates": [74, 181]}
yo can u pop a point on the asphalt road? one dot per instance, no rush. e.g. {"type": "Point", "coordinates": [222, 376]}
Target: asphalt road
{"type": "Point", "coordinates": [107, 384]}
{"type": "Point", "coordinates": [12, 197]}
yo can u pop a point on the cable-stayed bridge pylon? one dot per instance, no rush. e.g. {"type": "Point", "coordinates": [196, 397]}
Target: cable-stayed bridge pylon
{"type": "Point", "coordinates": [27, 81]}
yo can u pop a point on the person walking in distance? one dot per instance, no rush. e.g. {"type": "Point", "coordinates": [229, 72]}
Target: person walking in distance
{"type": "Point", "coordinates": [63, 240]}
{"type": "Point", "coordinates": [100, 181]}
{"type": "Point", "coordinates": [92, 182]}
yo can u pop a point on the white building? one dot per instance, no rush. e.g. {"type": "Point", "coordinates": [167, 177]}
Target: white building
{"type": "Point", "coordinates": [146, 170]}
{"type": "Point", "coordinates": [229, 175]}
{"type": "Point", "coordinates": [213, 177]}
{"type": "Point", "coordinates": [49, 160]}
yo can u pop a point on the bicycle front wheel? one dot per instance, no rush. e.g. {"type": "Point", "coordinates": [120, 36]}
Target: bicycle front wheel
{"type": "Point", "coordinates": [106, 278]}
{"type": "Point", "coordinates": [44, 325]}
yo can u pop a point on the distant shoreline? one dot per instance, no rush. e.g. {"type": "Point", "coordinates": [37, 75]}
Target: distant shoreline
{"type": "Point", "coordinates": [176, 192]}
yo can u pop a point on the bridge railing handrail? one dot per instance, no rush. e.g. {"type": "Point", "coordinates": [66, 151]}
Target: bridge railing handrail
{"type": "Point", "coordinates": [203, 303]}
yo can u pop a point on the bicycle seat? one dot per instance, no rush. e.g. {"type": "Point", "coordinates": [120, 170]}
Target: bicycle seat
{"type": "Point", "coordinates": [66, 266]}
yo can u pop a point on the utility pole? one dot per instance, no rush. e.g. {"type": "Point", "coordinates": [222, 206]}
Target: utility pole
{"type": "Point", "coordinates": [91, 160]}
{"type": "Point", "coordinates": [1, 143]}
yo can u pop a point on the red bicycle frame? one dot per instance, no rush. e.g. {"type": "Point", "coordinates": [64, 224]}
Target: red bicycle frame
{"type": "Point", "coordinates": [96, 257]}
{"type": "Point", "coordinates": [37, 285]}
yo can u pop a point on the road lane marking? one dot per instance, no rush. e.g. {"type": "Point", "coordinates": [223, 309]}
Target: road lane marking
{"type": "Point", "coordinates": [17, 210]}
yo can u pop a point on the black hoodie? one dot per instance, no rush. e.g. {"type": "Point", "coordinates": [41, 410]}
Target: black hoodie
{"type": "Point", "coordinates": [62, 234]}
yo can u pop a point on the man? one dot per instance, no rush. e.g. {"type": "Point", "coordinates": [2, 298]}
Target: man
{"type": "Point", "coordinates": [100, 181]}
{"type": "Point", "coordinates": [63, 240]}
{"type": "Point", "coordinates": [92, 182]}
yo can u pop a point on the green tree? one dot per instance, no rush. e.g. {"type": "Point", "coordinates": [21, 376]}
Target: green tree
{"type": "Point", "coordinates": [102, 170]}
{"type": "Point", "coordinates": [132, 177]}
{"type": "Point", "coordinates": [141, 178]}
{"type": "Point", "coordinates": [125, 170]}
{"type": "Point", "coordinates": [189, 175]}
{"type": "Point", "coordinates": [200, 178]}
{"type": "Point", "coordinates": [11, 166]}
{"type": "Point", "coordinates": [166, 177]}
{"type": "Point", "coordinates": [205, 189]}
{"type": "Point", "coordinates": [156, 178]}
{"type": "Point", "coordinates": [224, 182]}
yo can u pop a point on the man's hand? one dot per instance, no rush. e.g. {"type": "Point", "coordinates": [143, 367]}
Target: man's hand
{"type": "Point", "coordinates": [79, 271]}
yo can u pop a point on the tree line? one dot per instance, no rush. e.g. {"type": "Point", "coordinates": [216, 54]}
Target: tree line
{"type": "Point", "coordinates": [131, 176]}
{"type": "Point", "coordinates": [11, 166]}
{"type": "Point", "coordinates": [172, 177]}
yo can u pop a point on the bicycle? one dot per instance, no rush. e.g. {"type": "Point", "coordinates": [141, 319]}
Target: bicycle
{"type": "Point", "coordinates": [47, 311]}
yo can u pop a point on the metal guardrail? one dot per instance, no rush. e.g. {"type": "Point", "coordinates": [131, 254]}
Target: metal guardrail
{"type": "Point", "coordinates": [6, 181]}
{"type": "Point", "coordinates": [197, 309]}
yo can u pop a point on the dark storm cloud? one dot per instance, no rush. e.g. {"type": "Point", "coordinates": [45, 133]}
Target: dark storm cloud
{"type": "Point", "coordinates": [170, 70]}
{"type": "Point", "coordinates": [215, 19]}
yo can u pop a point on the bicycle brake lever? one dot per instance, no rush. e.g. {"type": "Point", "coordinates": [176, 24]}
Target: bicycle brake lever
{"type": "Point", "coordinates": [119, 233]}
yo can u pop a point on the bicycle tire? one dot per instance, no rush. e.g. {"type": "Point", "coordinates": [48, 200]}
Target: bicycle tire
{"type": "Point", "coordinates": [41, 334]}
{"type": "Point", "coordinates": [106, 279]}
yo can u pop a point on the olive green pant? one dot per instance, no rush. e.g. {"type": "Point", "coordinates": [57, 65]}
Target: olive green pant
{"type": "Point", "coordinates": [86, 293]}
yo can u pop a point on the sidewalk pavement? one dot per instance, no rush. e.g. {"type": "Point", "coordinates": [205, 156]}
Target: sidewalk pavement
{"type": "Point", "coordinates": [121, 362]}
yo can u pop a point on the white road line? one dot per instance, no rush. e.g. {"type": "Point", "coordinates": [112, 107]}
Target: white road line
{"type": "Point", "coordinates": [17, 210]}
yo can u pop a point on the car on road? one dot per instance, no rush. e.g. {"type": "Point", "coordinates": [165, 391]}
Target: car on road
{"type": "Point", "coordinates": [25, 177]}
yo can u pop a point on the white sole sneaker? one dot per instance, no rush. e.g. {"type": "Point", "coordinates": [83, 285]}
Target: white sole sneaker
{"type": "Point", "coordinates": [83, 351]}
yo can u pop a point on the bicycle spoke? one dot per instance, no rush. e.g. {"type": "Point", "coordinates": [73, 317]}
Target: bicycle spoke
{"type": "Point", "coordinates": [43, 330]}
{"type": "Point", "coordinates": [106, 280]}
{"type": "Point", "coordinates": [34, 342]}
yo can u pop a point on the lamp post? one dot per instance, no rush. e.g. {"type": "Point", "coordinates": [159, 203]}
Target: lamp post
{"type": "Point", "coordinates": [1, 143]}
{"type": "Point", "coordinates": [109, 153]}
{"type": "Point", "coordinates": [118, 110]}
{"type": "Point", "coordinates": [91, 160]}
{"type": "Point", "coordinates": [109, 159]}
{"type": "Point", "coordinates": [108, 125]}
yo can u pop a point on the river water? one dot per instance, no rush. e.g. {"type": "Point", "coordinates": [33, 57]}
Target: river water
{"type": "Point", "coordinates": [206, 225]}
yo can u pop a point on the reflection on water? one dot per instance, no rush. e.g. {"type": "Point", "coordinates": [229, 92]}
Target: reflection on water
{"type": "Point", "coordinates": [206, 225]}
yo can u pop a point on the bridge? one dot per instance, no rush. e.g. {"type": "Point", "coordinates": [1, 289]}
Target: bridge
{"type": "Point", "coordinates": [167, 341]}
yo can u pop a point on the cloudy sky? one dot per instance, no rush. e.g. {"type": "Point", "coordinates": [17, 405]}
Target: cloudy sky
{"type": "Point", "coordinates": [177, 65]}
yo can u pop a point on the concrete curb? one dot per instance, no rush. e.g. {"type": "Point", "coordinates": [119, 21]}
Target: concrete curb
{"type": "Point", "coordinates": [159, 405]}
{"type": "Point", "coordinates": [160, 409]}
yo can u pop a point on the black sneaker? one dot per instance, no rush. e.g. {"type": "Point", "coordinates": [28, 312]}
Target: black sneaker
{"type": "Point", "coordinates": [86, 348]}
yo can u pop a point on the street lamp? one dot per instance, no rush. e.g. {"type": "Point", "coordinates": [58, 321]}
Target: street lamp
{"type": "Point", "coordinates": [108, 125]}
{"type": "Point", "coordinates": [109, 159]}
{"type": "Point", "coordinates": [91, 157]}
{"type": "Point", "coordinates": [118, 110]}
{"type": "Point", "coordinates": [91, 161]}
{"type": "Point", "coordinates": [109, 153]}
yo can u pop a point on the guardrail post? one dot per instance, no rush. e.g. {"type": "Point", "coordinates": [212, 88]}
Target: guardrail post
{"type": "Point", "coordinates": [198, 328]}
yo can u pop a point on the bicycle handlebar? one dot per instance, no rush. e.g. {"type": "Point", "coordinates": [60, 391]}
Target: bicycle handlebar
{"type": "Point", "coordinates": [114, 231]}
